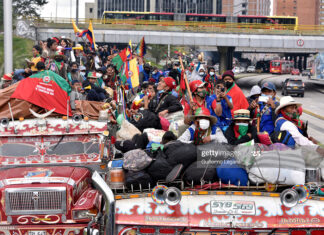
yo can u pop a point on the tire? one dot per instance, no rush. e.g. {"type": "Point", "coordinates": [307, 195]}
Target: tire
{"type": "Point", "coordinates": [285, 93]}
{"type": "Point", "coordinates": [302, 95]}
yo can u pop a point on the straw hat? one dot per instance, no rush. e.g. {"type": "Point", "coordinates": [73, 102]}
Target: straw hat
{"type": "Point", "coordinates": [286, 101]}
{"type": "Point", "coordinates": [203, 112]}
{"type": "Point", "coordinates": [242, 114]}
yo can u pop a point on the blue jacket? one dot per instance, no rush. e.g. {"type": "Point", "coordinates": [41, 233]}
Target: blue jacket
{"type": "Point", "coordinates": [225, 119]}
{"type": "Point", "coordinates": [289, 140]}
{"type": "Point", "coordinates": [267, 118]}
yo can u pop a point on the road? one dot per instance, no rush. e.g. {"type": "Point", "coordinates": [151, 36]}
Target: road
{"type": "Point", "coordinates": [313, 100]}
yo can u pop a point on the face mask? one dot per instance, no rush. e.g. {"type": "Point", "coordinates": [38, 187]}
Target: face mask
{"type": "Point", "coordinates": [293, 115]}
{"type": "Point", "coordinates": [105, 77]}
{"type": "Point", "coordinates": [202, 94]}
{"type": "Point", "coordinates": [82, 73]}
{"type": "Point", "coordinates": [269, 96]}
{"type": "Point", "coordinates": [161, 91]}
{"type": "Point", "coordinates": [243, 128]}
{"type": "Point", "coordinates": [153, 73]}
{"type": "Point", "coordinates": [211, 73]}
{"type": "Point", "coordinates": [201, 74]}
{"type": "Point", "coordinates": [229, 84]}
{"type": "Point", "coordinates": [74, 70]}
{"type": "Point", "coordinates": [204, 124]}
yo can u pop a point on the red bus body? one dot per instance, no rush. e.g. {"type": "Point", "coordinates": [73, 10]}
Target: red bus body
{"type": "Point", "coordinates": [281, 66]}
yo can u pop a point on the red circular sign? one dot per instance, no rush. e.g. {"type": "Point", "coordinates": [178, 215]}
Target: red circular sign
{"type": "Point", "coordinates": [300, 42]}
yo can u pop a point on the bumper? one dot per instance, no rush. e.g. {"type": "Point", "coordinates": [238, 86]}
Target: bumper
{"type": "Point", "coordinates": [295, 91]}
{"type": "Point", "coordinates": [57, 229]}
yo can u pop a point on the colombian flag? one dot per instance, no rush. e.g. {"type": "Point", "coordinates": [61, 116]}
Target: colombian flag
{"type": "Point", "coordinates": [141, 48]}
{"type": "Point", "coordinates": [88, 32]}
{"type": "Point", "coordinates": [129, 50]}
{"type": "Point", "coordinates": [131, 74]}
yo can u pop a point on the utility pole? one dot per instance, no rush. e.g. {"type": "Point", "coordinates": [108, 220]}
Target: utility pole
{"type": "Point", "coordinates": [7, 21]}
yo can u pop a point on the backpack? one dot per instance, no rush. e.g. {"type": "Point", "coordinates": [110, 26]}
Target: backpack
{"type": "Point", "coordinates": [280, 137]}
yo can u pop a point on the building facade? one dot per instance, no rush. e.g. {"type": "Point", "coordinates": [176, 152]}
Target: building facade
{"type": "Point", "coordinates": [226, 7]}
{"type": "Point", "coordinates": [308, 12]}
{"type": "Point", "coordinates": [95, 10]}
{"type": "Point", "coordinates": [246, 7]}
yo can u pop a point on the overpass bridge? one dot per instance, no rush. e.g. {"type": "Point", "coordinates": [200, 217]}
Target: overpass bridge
{"type": "Point", "coordinates": [224, 38]}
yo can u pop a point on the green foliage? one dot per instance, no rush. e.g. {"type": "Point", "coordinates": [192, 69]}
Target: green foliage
{"type": "Point", "coordinates": [27, 8]}
{"type": "Point", "coordinates": [22, 48]}
{"type": "Point", "coordinates": [23, 8]}
{"type": "Point", "coordinates": [158, 52]}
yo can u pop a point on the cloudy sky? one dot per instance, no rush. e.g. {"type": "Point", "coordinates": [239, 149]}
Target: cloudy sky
{"type": "Point", "coordinates": [63, 8]}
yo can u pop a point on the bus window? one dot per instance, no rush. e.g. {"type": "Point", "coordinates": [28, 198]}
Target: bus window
{"type": "Point", "coordinates": [275, 64]}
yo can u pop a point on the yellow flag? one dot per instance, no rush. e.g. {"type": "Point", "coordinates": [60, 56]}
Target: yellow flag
{"type": "Point", "coordinates": [133, 77]}
{"type": "Point", "coordinates": [75, 27]}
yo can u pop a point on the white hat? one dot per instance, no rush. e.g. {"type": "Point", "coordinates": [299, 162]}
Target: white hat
{"type": "Point", "coordinates": [286, 101]}
{"type": "Point", "coordinates": [255, 90]}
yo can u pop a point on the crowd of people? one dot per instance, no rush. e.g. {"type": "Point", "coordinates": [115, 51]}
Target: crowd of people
{"type": "Point", "coordinates": [216, 111]}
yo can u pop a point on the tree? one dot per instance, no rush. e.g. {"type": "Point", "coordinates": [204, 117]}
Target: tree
{"type": "Point", "coordinates": [27, 8]}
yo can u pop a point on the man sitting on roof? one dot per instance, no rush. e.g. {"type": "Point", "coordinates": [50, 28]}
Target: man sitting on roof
{"type": "Point", "coordinates": [239, 100]}
{"type": "Point", "coordinates": [203, 129]}
{"type": "Point", "coordinates": [200, 100]}
{"type": "Point", "coordinates": [94, 93]}
{"type": "Point", "coordinates": [241, 131]}
{"type": "Point", "coordinates": [164, 102]}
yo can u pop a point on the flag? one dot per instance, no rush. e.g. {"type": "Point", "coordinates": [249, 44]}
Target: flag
{"type": "Point", "coordinates": [75, 28]}
{"type": "Point", "coordinates": [47, 90]}
{"type": "Point", "coordinates": [141, 48]}
{"type": "Point", "coordinates": [131, 74]}
{"type": "Point", "coordinates": [120, 59]}
{"type": "Point", "coordinates": [89, 33]}
{"type": "Point", "coordinates": [129, 50]}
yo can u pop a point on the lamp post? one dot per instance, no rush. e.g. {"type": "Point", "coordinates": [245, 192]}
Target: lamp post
{"type": "Point", "coordinates": [7, 21]}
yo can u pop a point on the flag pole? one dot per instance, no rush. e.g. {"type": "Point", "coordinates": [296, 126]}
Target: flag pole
{"type": "Point", "coordinates": [185, 78]}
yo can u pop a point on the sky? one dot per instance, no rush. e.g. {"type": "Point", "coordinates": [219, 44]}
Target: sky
{"type": "Point", "coordinates": [63, 8]}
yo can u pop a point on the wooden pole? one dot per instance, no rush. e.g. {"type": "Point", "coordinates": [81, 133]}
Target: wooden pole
{"type": "Point", "coordinates": [186, 80]}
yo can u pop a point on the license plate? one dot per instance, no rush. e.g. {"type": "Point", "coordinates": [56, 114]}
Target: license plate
{"type": "Point", "coordinates": [295, 87]}
{"type": "Point", "coordinates": [232, 207]}
{"type": "Point", "coordinates": [36, 232]}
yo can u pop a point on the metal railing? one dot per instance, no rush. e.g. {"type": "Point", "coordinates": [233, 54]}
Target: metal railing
{"type": "Point", "coordinates": [184, 26]}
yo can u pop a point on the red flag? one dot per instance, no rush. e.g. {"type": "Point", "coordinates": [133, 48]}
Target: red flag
{"type": "Point", "coordinates": [182, 81]}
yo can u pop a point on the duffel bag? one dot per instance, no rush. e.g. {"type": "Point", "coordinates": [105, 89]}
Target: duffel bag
{"type": "Point", "coordinates": [180, 153]}
{"type": "Point", "coordinates": [231, 173]}
{"type": "Point", "coordinates": [136, 160]}
{"type": "Point", "coordinates": [284, 167]}
{"type": "Point", "coordinates": [197, 172]}
{"type": "Point", "coordinates": [138, 178]}
{"type": "Point", "coordinates": [160, 167]}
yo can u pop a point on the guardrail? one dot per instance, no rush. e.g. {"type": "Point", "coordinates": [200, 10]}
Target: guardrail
{"type": "Point", "coordinates": [184, 26]}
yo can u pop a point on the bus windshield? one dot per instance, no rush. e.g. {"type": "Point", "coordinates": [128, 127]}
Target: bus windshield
{"type": "Point", "coordinates": [275, 64]}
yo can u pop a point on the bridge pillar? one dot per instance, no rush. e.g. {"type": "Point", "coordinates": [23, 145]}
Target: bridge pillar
{"type": "Point", "coordinates": [225, 58]}
{"type": "Point", "coordinates": [295, 61]}
{"type": "Point", "coordinates": [305, 62]}
{"type": "Point", "coordinates": [300, 62]}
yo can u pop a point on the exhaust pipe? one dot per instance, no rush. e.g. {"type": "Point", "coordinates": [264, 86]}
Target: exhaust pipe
{"type": "Point", "coordinates": [172, 196]}
{"type": "Point", "coordinates": [289, 197]}
{"type": "Point", "coordinates": [4, 122]}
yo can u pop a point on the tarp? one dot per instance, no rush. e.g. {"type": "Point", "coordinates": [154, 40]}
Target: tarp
{"type": "Point", "coordinates": [20, 108]}
{"type": "Point", "coordinates": [47, 90]}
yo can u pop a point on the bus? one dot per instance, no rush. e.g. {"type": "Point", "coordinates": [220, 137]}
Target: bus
{"type": "Point", "coordinates": [281, 66]}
